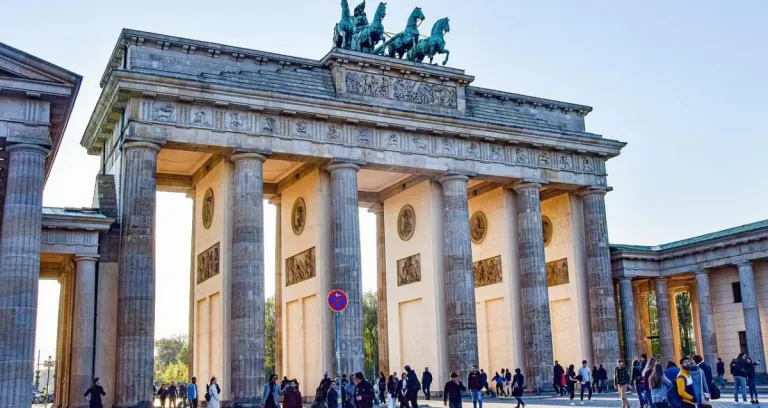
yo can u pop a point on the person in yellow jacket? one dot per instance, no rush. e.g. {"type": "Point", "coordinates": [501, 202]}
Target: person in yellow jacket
{"type": "Point", "coordinates": [684, 384]}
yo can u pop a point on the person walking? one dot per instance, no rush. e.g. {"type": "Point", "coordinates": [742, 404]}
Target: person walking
{"type": "Point", "coordinates": [621, 382]}
{"type": "Point", "coordinates": [595, 380]}
{"type": "Point", "coordinates": [94, 394]}
{"type": "Point", "coordinates": [498, 380]}
{"type": "Point", "coordinates": [685, 385]}
{"type": "Point", "coordinates": [637, 381]}
{"type": "Point", "coordinates": [518, 384]}
{"type": "Point", "coordinates": [585, 376]}
{"type": "Point", "coordinates": [392, 390]}
{"type": "Point", "coordinates": [659, 386]}
{"type": "Point", "coordinates": [413, 387]}
{"type": "Point", "coordinates": [172, 394]}
{"type": "Point", "coordinates": [570, 382]}
{"type": "Point", "coordinates": [739, 373]}
{"type": "Point", "coordinates": [364, 393]}
{"type": "Point", "coordinates": [709, 379]}
{"type": "Point", "coordinates": [484, 379]}
{"type": "Point", "coordinates": [382, 385]}
{"type": "Point", "coordinates": [213, 392]}
{"type": "Point", "coordinates": [750, 370]}
{"type": "Point", "coordinates": [292, 395]}
{"type": "Point", "coordinates": [475, 384]}
{"type": "Point", "coordinates": [426, 382]}
{"type": "Point", "coordinates": [452, 392]}
{"type": "Point", "coordinates": [507, 382]}
{"type": "Point", "coordinates": [183, 394]}
{"type": "Point", "coordinates": [700, 387]}
{"type": "Point", "coordinates": [602, 377]}
{"type": "Point", "coordinates": [646, 375]}
{"type": "Point", "coordinates": [721, 372]}
{"type": "Point", "coordinates": [192, 395]}
{"type": "Point", "coordinates": [271, 396]}
{"type": "Point", "coordinates": [332, 400]}
{"type": "Point", "coordinates": [162, 394]}
{"type": "Point", "coordinates": [557, 379]}
{"type": "Point", "coordinates": [349, 392]}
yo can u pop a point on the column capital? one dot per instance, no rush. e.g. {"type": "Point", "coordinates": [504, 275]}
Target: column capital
{"type": "Point", "coordinates": [135, 144]}
{"type": "Point", "coordinates": [594, 190]}
{"type": "Point", "coordinates": [626, 278]}
{"type": "Point", "coordinates": [701, 271]}
{"type": "Point", "coordinates": [86, 258]}
{"type": "Point", "coordinates": [341, 166]}
{"type": "Point", "coordinates": [453, 177]}
{"type": "Point", "coordinates": [744, 263]}
{"type": "Point", "coordinates": [276, 200]}
{"type": "Point", "coordinates": [661, 279]}
{"type": "Point", "coordinates": [526, 185]}
{"type": "Point", "coordinates": [377, 208]}
{"type": "Point", "coordinates": [248, 156]}
{"type": "Point", "coordinates": [28, 147]}
{"type": "Point", "coordinates": [191, 193]}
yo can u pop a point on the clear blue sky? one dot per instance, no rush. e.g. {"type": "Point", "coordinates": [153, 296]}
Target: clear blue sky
{"type": "Point", "coordinates": [684, 83]}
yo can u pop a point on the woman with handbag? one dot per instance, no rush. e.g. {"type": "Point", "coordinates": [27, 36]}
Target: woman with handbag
{"type": "Point", "coordinates": [517, 388]}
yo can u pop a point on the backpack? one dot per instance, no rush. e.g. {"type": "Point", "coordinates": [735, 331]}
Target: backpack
{"type": "Point", "coordinates": [207, 394]}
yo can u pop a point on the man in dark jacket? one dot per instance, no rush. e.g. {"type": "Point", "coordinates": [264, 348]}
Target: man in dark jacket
{"type": "Point", "coordinates": [173, 392]}
{"type": "Point", "coordinates": [739, 373]}
{"type": "Point", "coordinates": [95, 392]}
{"type": "Point", "coordinates": [413, 386]}
{"type": "Point", "coordinates": [364, 393]}
{"type": "Point", "coordinates": [426, 382]}
{"type": "Point", "coordinates": [475, 383]}
{"type": "Point", "coordinates": [602, 378]}
{"type": "Point", "coordinates": [333, 396]}
{"type": "Point", "coordinates": [721, 372]}
{"type": "Point", "coordinates": [452, 392]}
{"type": "Point", "coordinates": [557, 378]}
{"type": "Point", "coordinates": [706, 369]}
{"type": "Point", "coordinates": [484, 379]}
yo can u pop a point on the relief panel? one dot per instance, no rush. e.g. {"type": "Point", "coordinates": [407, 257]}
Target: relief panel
{"type": "Point", "coordinates": [557, 272]}
{"type": "Point", "coordinates": [487, 272]}
{"type": "Point", "coordinates": [409, 270]}
{"type": "Point", "coordinates": [300, 267]}
{"type": "Point", "coordinates": [208, 264]}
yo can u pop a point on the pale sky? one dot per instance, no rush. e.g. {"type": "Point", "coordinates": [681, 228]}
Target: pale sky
{"type": "Point", "coordinates": [684, 83]}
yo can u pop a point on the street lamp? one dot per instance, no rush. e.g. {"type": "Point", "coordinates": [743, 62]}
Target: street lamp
{"type": "Point", "coordinates": [48, 365]}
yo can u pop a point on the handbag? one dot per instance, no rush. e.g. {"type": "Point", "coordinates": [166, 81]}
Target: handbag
{"type": "Point", "coordinates": [714, 392]}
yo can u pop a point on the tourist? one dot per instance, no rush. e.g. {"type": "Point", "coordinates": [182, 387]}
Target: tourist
{"type": "Point", "coordinates": [570, 381]}
{"type": "Point", "coordinates": [739, 373]}
{"type": "Point", "coordinates": [382, 384]}
{"type": "Point", "coordinates": [392, 390]}
{"type": "Point", "coordinates": [292, 395]}
{"type": "Point", "coordinates": [595, 380]}
{"type": "Point", "coordinates": [213, 391]}
{"type": "Point", "coordinates": [402, 389]}
{"type": "Point", "coordinates": [183, 394]}
{"type": "Point", "coordinates": [475, 387]}
{"type": "Point", "coordinates": [671, 371]}
{"type": "Point", "coordinates": [507, 382]}
{"type": "Point", "coordinates": [557, 379]}
{"type": "Point", "coordinates": [349, 392]}
{"type": "Point", "coordinates": [499, 381]}
{"type": "Point", "coordinates": [413, 387]}
{"type": "Point", "coordinates": [684, 384]}
{"type": "Point", "coordinates": [602, 378]}
{"type": "Point", "coordinates": [750, 370]}
{"type": "Point", "coordinates": [271, 396]}
{"type": "Point", "coordinates": [637, 381]}
{"type": "Point", "coordinates": [621, 382]}
{"type": "Point", "coordinates": [332, 399]}
{"type": "Point", "coordinates": [659, 386]}
{"type": "Point", "coordinates": [721, 372]}
{"type": "Point", "coordinates": [94, 394]}
{"type": "Point", "coordinates": [286, 382]}
{"type": "Point", "coordinates": [172, 394]}
{"type": "Point", "coordinates": [646, 375]}
{"type": "Point", "coordinates": [585, 376]}
{"type": "Point", "coordinates": [518, 383]}
{"type": "Point", "coordinates": [700, 386]}
{"type": "Point", "coordinates": [452, 392]}
{"type": "Point", "coordinates": [364, 393]}
{"type": "Point", "coordinates": [706, 369]}
{"type": "Point", "coordinates": [192, 395]}
{"type": "Point", "coordinates": [484, 379]}
{"type": "Point", "coordinates": [643, 362]}
{"type": "Point", "coordinates": [162, 394]}
{"type": "Point", "coordinates": [426, 382]}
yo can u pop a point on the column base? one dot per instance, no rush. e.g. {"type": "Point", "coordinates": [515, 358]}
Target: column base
{"type": "Point", "coordinates": [246, 403]}
{"type": "Point", "coordinates": [543, 390]}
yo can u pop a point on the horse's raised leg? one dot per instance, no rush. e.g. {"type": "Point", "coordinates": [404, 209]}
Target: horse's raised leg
{"type": "Point", "coordinates": [447, 54]}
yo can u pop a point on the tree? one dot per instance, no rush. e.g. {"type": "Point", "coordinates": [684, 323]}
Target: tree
{"type": "Point", "coordinates": [177, 371]}
{"type": "Point", "coordinates": [370, 333]}
{"type": "Point", "coordinates": [169, 349]}
{"type": "Point", "coordinates": [269, 337]}
{"type": "Point", "coordinates": [653, 314]}
{"type": "Point", "coordinates": [685, 321]}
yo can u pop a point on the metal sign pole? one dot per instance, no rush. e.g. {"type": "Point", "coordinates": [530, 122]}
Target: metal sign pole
{"type": "Point", "coordinates": [338, 357]}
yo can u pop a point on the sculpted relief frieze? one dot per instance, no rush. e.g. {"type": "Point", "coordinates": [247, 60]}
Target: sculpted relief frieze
{"type": "Point", "coordinates": [208, 264]}
{"type": "Point", "coordinates": [487, 272]}
{"type": "Point", "coordinates": [294, 126]}
{"type": "Point", "coordinates": [300, 267]}
{"type": "Point", "coordinates": [400, 90]}
{"type": "Point", "coordinates": [409, 270]}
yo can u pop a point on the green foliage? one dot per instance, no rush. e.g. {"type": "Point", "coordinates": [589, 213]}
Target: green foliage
{"type": "Point", "coordinates": [653, 314]}
{"type": "Point", "coordinates": [269, 337]}
{"type": "Point", "coordinates": [370, 333]}
{"type": "Point", "coordinates": [685, 321]}
{"type": "Point", "coordinates": [177, 371]}
{"type": "Point", "coordinates": [172, 359]}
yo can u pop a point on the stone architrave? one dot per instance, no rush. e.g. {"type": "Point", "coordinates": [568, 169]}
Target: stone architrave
{"type": "Point", "coordinates": [602, 298]}
{"type": "Point", "coordinates": [345, 262]}
{"type": "Point", "coordinates": [20, 270]}
{"type": "Point", "coordinates": [459, 277]}
{"type": "Point", "coordinates": [81, 370]}
{"type": "Point", "coordinates": [136, 291]}
{"type": "Point", "coordinates": [664, 316]}
{"type": "Point", "coordinates": [381, 293]}
{"type": "Point", "coordinates": [706, 317]}
{"type": "Point", "coordinates": [751, 315]}
{"type": "Point", "coordinates": [534, 293]}
{"type": "Point", "coordinates": [247, 279]}
{"type": "Point", "coordinates": [628, 322]}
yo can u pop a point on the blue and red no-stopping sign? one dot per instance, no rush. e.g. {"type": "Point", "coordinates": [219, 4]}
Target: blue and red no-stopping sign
{"type": "Point", "coordinates": [337, 300]}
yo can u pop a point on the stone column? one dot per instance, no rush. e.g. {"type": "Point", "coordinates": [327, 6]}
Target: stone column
{"type": "Point", "coordinates": [605, 334]}
{"type": "Point", "coordinates": [276, 201]}
{"type": "Point", "coordinates": [381, 293]}
{"type": "Point", "coordinates": [751, 315]}
{"type": "Point", "coordinates": [533, 284]}
{"type": "Point", "coordinates": [192, 282]}
{"type": "Point", "coordinates": [345, 262]}
{"type": "Point", "coordinates": [63, 344]}
{"type": "Point", "coordinates": [706, 317]}
{"type": "Point", "coordinates": [665, 320]}
{"type": "Point", "coordinates": [136, 290]}
{"type": "Point", "coordinates": [81, 372]}
{"type": "Point", "coordinates": [677, 341]}
{"type": "Point", "coordinates": [628, 322]}
{"type": "Point", "coordinates": [20, 270]}
{"type": "Point", "coordinates": [459, 277]}
{"type": "Point", "coordinates": [247, 279]}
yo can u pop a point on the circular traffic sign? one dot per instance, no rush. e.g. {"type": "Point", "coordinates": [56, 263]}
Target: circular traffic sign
{"type": "Point", "coordinates": [337, 300]}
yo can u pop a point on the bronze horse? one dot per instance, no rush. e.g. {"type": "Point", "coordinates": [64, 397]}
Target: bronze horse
{"type": "Point", "coordinates": [402, 42]}
{"type": "Point", "coordinates": [342, 32]}
{"type": "Point", "coordinates": [433, 45]}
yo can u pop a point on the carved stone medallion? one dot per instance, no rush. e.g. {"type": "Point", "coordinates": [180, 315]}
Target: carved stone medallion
{"type": "Point", "coordinates": [208, 264]}
{"type": "Point", "coordinates": [298, 216]}
{"type": "Point", "coordinates": [406, 222]}
{"type": "Point", "coordinates": [478, 227]}
{"type": "Point", "coordinates": [208, 206]}
{"type": "Point", "coordinates": [546, 227]}
{"type": "Point", "coordinates": [300, 267]}
{"type": "Point", "coordinates": [487, 272]}
{"type": "Point", "coordinates": [409, 270]}
{"type": "Point", "coordinates": [557, 272]}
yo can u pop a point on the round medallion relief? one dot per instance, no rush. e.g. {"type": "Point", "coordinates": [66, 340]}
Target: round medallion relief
{"type": "Point", "coordinates": [546, 227]}
{"type": "Point", "coordinates": [478, 227]}
{"type": "Point", "coordinates": [208, 205]}
{"type": "Point", "coordinates": [298, 216]}
{"type": "Point", "coordinates": [406, 222]}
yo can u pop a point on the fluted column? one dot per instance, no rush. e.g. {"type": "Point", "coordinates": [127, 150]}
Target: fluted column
{"type": "Point", "coordinates": [345, 262]}
{"type": "Point", "coordinates": [706, 317]}
{"type": "Point", "coordinates": [628, 322]}
{"type": "Point", "coordinates": [81, 371]}
{"type": "Point", "coordinates": [643, 321]}
{"type": "Point", "coordinates": [459, 277]}
{"type": "Point", "coordinates": [247, 281]}
{"type": "Point", "coordinates": [136, 291]}
{"type": "Point", "coordinates": [192, 282]}
{"type": "Point", "coordinates": [602, 304]}
{"type": "Point", "coordinates": [381, 293]}
{"type": "Point", "coordinates": [664, 316]}
{"type": "Point", "coordinates": [20, 271]}
{"type": "Point", "coordinates": [751, 315]}
{"type": "Point", "coordinates": [533, 287]}
{"type": "Point", "coordinates": [277, 202]}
